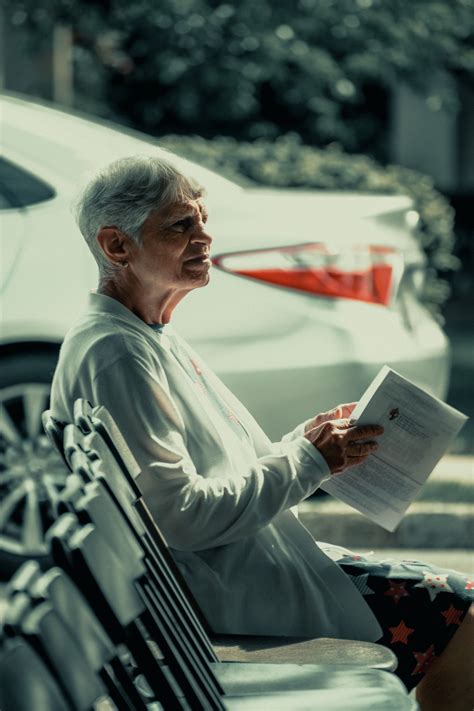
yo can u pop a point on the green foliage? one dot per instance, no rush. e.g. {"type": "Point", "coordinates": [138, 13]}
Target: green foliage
{"type": "Point", "coordinates": [286, 162]}
{"type": "Point", "coordinates": [322, 68]}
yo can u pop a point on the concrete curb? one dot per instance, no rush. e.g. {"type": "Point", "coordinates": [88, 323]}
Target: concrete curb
{"type": "Point", "coordinates": [425, 525]}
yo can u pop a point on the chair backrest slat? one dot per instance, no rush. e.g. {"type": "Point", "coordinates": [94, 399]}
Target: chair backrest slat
{"type": "Point", "coordinates": [103, 463]}
{"type": "Point", "coordinates": [114, 454]}
{"type": "Point", "coordinates": [54, 432]}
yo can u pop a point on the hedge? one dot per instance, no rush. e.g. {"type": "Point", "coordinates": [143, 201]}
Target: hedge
{"type": "Point", "coordinates": [325, 68]}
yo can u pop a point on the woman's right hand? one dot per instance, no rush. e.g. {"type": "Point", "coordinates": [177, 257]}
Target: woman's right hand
{"type": "Point", "coordinates": [342, 444]}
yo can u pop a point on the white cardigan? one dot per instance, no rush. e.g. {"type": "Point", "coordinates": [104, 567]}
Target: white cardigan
{"type": "Point", "coordinates": [220, 491]}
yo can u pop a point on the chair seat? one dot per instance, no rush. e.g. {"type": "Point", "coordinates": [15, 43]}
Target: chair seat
{"type": "Point", "coordinates": [282, 650]}
{"type": "Point", "coordinates": [239, 679]}
{"type": "Point", "coordinates": [324, 699]}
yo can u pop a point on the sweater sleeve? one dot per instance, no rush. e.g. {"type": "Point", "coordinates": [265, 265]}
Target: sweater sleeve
{"type": "Point", "coordinates": [193, 511]}
{"type": "Point", "coordinates": [297, 435]}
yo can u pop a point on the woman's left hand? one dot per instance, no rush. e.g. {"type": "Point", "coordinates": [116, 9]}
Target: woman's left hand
{"type": "Point", "coordinates": [341, 412]}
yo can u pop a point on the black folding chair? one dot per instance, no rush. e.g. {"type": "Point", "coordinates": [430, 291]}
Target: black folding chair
{"type": "Point", "coordinates": [83, 457]}
{"type": "Point", "coordinates": [122, 608]}
{"type": "Point", "coordinates": [58, 648]}
{"type": "Point", "coordinates": [104, 442]}
{"type": "Point", "coordinates": [55, 587]}
{"type": "Point", "coordinates": [119, 603]}
{"type": "Point", "coordinates": [26, 683]}
{"type": "Point", "coordinates": [110, 547]}
{"type": "Point", "coordinates": [97, 507]}
{"type": "Point", "coordinates": [110, 446]}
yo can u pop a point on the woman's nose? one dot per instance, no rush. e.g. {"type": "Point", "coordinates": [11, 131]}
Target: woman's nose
{"type": "Point", "coordinates": [200, 235]}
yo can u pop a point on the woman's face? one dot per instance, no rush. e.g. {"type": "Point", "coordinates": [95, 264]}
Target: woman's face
{"type": "Point", "coordinates": [175, 248]}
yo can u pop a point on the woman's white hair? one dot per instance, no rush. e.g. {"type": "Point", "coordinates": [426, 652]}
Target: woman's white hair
{"type": "Point", "coordinates": [123, 195]}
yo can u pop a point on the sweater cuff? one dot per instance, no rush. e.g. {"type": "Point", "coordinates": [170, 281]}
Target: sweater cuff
{"type": "Point", "coordinates": [311, 467]}
{"type": "Point", "coordinates": [316, 457]}
{"type": "Point", "coordinates": [297, 432]}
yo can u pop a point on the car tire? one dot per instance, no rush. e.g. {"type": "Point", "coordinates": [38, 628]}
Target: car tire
{"type": "Point", "coordinates": [27, 367]}
{"type": "Point", "coordinates": [31, 471]}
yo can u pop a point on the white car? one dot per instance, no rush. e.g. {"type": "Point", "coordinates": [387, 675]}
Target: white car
{"type": "Point", "coordinates": [311, 292]}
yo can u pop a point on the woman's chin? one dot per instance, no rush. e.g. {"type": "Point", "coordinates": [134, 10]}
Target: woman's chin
{"type": "Point", "coordinates": [197, 270]}
{"type": "Point", "coordinates": [197, 277]}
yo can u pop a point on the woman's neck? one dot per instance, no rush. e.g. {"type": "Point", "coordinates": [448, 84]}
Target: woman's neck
{"type": "Point", "coordinates": [150, 308]}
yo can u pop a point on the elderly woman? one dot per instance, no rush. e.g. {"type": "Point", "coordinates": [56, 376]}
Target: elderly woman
{"type": "Point", "coordinates": [219, 489]}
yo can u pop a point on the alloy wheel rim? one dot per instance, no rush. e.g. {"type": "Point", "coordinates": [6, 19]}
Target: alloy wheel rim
{"type": "Point", "coordinates": [32, 475]}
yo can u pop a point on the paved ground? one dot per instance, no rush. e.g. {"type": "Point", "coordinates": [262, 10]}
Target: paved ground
{"type": "Point", "coordinates": [457, 559]}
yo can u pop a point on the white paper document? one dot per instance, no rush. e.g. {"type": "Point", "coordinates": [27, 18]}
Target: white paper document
{"type": "Point", "coordinates": [418, 429]}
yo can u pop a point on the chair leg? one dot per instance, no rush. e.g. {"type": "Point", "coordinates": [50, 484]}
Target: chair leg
{"type": "Point", "coordinates": [120, 701]}
{"type": "Point", "coordinates": [154, 673]}
{"type": "Point", "coordinates": [120, 673]}
{"type": "Point", "coordinates": [159, 544]}
{"type": "Point", "coordinates": [202, 677]}
{"type": "Point", "coordinates": [159, 570]}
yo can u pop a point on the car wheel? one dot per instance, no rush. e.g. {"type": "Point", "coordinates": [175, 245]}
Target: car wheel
{"type": "Point", "coordinates": [31, 472]}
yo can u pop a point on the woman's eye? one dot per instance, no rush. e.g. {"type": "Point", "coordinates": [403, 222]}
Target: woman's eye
{"type": "Point", "coordinates": [182, 225]}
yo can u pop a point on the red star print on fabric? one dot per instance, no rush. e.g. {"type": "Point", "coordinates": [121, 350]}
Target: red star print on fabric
{"type": "Point", "coordinates": [469, 585]}
{"type": "Point", "coordinates": [400, 633]}
{"type": "Point", "coordinates": [423, 660]}
{"type": "Point", "coordinates": [396, 590]}
{"type": "Point", "coordinates": [452, 615]}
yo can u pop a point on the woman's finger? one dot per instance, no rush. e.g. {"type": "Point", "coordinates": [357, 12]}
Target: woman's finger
{"type": "Point", "coordinates": [343, 424]}
{"type": "Point", "coordinates": [347, 409]}
{"type": "Point", "coordinates": [355, 432]}
{"type": "Point", "coordinates": [354, 461]}
{"type": "Point", "coordinates": [359, 449]}
{"type": "Point", "coordinates": [340, 412]}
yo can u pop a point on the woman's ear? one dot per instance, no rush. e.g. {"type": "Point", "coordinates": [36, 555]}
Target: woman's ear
{"type": "Point", "coordinates": [115, 245]}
